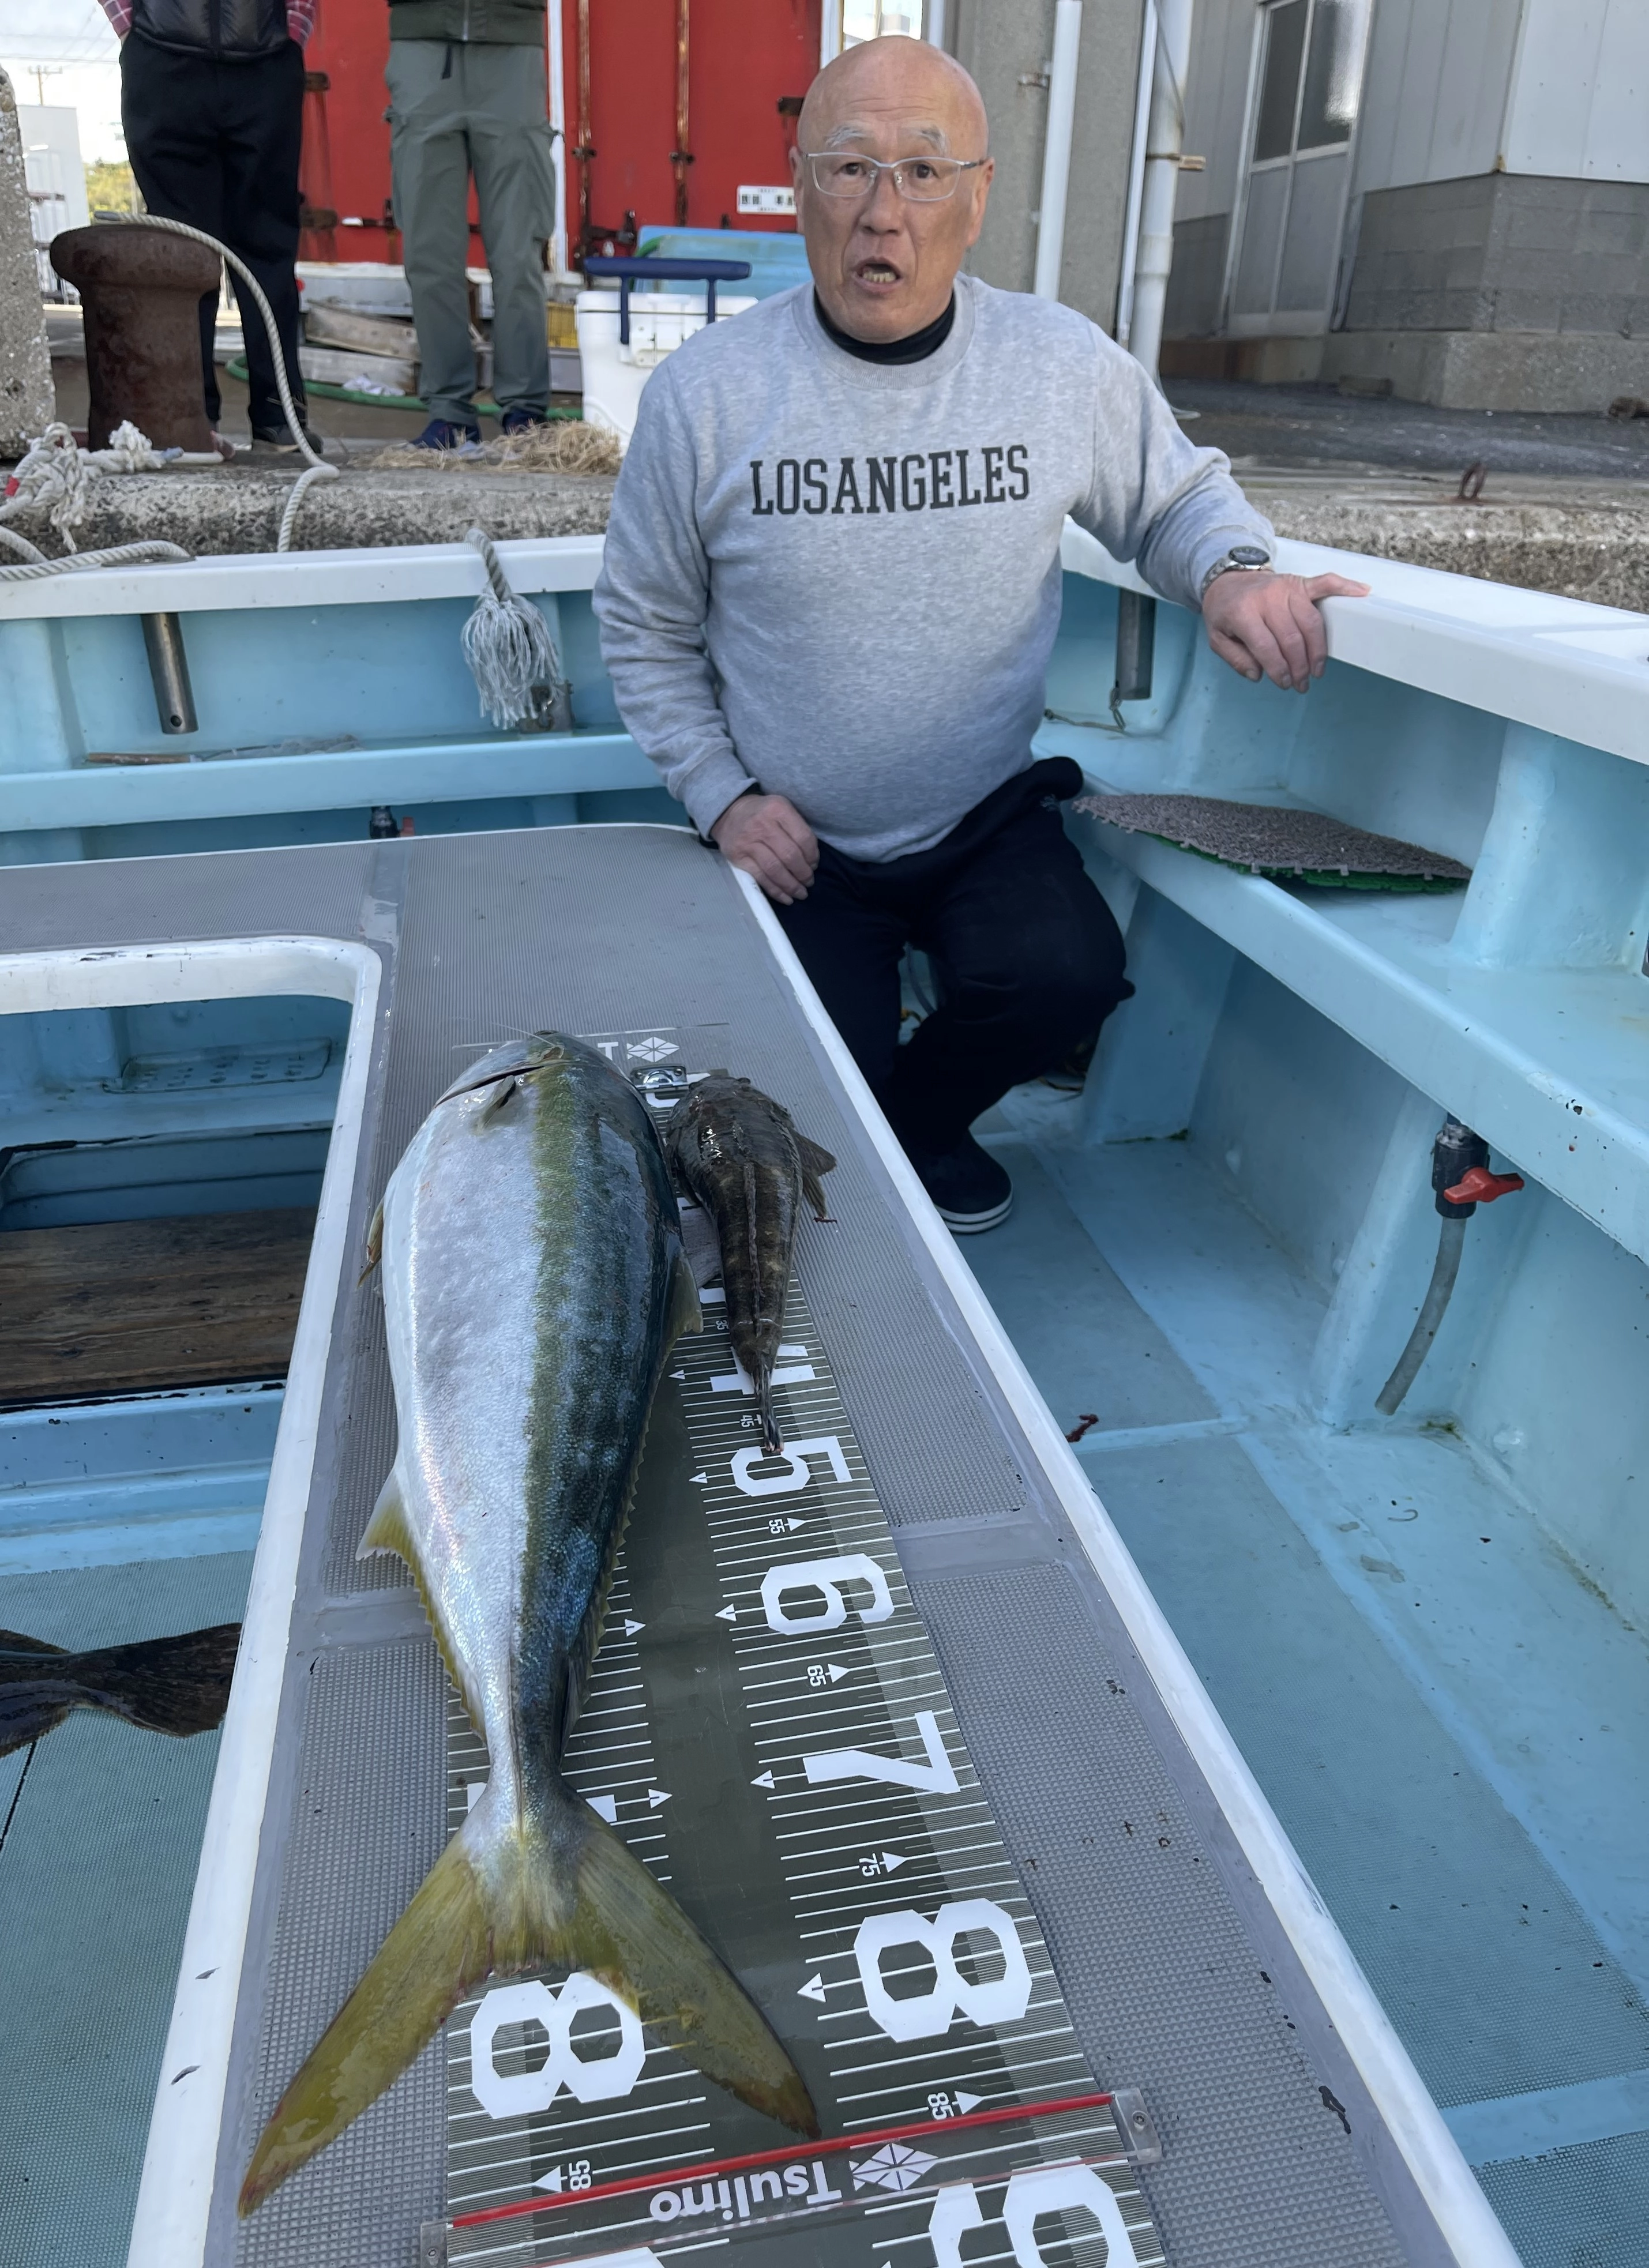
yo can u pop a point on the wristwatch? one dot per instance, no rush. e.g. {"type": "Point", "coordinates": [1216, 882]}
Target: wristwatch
{"type": "Point", "coordinates": [1241, 559]}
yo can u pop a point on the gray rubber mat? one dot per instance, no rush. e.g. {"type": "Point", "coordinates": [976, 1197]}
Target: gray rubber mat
{"type": "Point", "coordinates": [1281, 842]}
{"type": "Point", "coordinates": [1174, 1977]}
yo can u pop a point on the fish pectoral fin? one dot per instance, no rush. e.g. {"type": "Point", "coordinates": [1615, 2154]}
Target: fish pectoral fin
{"type": "Point", "coordinates": [685, 1313]}
{"type": "Point", "coordinates": [374, 1245]}
{"type": "Point", "coordinates": [436, 1953]}
{"type": "Point", "coordinates": [386, 1530]}
{"type": "Point", "coordinates": [815, 1163]}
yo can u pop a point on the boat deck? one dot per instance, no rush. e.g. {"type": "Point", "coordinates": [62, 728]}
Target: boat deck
{"type": "Point", "coordinates": [1176, 1974]}
{"type": "Point", "coordinates": [1441, 1709]}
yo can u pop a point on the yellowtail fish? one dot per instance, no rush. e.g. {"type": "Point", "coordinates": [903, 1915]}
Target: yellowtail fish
{"type": "Point", "coordinates": [738, 1154]}
{"type": "Point", "coordinates": [533, 1284]}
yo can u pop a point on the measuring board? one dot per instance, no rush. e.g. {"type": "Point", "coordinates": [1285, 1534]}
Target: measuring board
{"type": "Point", "coordinates": [767, 1726]}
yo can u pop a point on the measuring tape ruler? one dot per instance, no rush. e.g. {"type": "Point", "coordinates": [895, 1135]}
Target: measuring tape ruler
{"type": "Point", "coordinates": [768, 1727]}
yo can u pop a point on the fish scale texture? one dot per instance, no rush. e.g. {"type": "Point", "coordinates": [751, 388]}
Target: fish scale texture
{"type": "Point", "coordinates": [596, 929]}
{"type": "Point", "coordinates": [1162, 1986]}
{"type": "Point", "coordinates": [368, 1823]}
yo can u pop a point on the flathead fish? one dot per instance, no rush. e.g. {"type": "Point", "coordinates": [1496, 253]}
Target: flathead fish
{"type": "Point", "coordinates": [178, 1685]}
{"type": "Point", "coordinates": [533, 1284]}
{"type": "Point", "coordinates": [738, 1154]}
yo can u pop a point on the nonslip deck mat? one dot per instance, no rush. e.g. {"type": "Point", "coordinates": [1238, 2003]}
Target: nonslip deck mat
{"type": "Point", "coordinates": [769, 1729]}
{"type": "Point", "coordinates": [1172, 1973]}
{"type": "Point", "coordinates": [1280, 842]}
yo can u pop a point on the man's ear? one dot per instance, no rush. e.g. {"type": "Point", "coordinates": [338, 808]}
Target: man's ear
{"type": "Point", "coordinates": [982, 192]}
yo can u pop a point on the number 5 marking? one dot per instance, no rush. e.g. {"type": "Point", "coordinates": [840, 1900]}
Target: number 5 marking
{"type": "Point", "coordinates": [826, 1575]}
{"type": "Point", "coordinates": [799, 1472]}
{"type": "Point", "coordinates": [937, 1777]}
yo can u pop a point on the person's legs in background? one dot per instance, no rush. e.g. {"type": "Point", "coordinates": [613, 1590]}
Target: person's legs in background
{"type": "Point", "coordinates": [429, 157]}
{"type": "Point", "coordinates": [168, 109]}
{"type": "Point", "coordinates": [1029, 963]}
{"type": "Point", "coordinates": [515, 190]}
{"type": "Point", "coordinates": [260, 114]}
{"type": "Point", "coordinates": [850, 944]}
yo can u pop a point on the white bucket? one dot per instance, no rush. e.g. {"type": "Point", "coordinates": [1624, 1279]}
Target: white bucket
{"type": "Point", "coordinates": [614, 374]}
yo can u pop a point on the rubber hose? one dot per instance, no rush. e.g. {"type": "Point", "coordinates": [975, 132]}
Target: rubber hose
{"type": "Point", "coordinates": [1450, 1244]}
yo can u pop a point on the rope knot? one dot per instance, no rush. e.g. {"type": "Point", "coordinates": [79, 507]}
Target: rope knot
{"type": "Point", "coordinates": [511, 653]}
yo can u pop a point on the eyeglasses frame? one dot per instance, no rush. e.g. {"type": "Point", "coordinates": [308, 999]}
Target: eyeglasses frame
{"type": "Point", "coordinates": [894, 165]}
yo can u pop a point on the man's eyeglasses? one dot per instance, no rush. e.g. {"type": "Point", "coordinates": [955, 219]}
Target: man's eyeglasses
{"type": "Point", "coordinates": [922, 180]}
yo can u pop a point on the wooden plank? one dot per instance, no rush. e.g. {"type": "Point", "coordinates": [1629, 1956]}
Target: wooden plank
{"type": "Point", "coordinates": [126, 1306]}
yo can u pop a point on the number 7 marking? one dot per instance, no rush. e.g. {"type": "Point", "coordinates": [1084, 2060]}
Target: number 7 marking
{"type": "Point", "coordinates": [937, 1777]}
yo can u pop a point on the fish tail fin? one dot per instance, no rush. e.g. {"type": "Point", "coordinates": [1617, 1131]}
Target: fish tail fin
{"type": "Point", "coordinates": [772, 1440]}
{"type": "Point", "coordinates": [624, 1928]}
{"type": "Point", "coordinates": [178, 1685]}
{"type": "Point", "coordinates": [511, 1895]}
{"type": "Point", "coordinates": [437, 1952]}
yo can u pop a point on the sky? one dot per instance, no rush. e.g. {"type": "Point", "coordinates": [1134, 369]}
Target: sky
{"type": "Point", "coordinates": [70, 43]}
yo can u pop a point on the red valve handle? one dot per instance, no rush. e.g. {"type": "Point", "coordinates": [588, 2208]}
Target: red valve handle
{"type": "Point", "coordinates": [1478, 1185]}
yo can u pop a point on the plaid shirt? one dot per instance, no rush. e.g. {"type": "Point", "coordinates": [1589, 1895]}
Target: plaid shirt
{"type": "Point", "coordinates": [300, 18]}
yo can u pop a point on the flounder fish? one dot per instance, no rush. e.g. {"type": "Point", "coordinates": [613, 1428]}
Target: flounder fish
{"type": "Point", "coordinates": [738, 1154]}
{"type": "Point", "coordinates": [533, 1284]}
{"type": "Point", "coordinates": [178, 1685]}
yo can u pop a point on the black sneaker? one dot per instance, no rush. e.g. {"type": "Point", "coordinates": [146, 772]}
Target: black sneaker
{"type": "Point", "coordinates": [970, 1189]}
{"type": "Point", "coordinates": [280, 437]}
{"type": "Point", "coordinates": [522, 419]}
{"type": "Point", "coordinates": [447, 437]}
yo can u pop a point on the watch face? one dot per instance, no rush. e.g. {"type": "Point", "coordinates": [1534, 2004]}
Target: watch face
{"type": "Point", "coordinates": [1249, 555]}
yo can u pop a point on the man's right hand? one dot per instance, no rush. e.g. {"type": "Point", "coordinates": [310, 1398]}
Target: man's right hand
{"type": "Point", "coordinates": [767, 837]}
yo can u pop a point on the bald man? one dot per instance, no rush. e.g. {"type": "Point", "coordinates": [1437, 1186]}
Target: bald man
{"type": "Point", "coordinates": [832, 584]}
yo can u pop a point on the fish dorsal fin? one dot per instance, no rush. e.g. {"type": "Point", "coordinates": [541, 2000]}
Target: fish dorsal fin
{"type": "Point", "coordinates": [684, 1313]}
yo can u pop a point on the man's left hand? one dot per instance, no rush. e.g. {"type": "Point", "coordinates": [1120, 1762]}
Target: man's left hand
{"type": "Point", "coordinates": [1269, 626]}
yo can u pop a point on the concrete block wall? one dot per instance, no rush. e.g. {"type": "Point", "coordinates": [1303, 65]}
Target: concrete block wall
{"type": "Point", "coordinates": [1503, 252]}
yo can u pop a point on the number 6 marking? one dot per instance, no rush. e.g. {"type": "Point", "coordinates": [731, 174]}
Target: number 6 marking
{"type": "Point", "coordinates": [826, 1575]}
{"type": "Point", "coordinates": [795, 1454]}
{"type": "Point", "coordinates": [927, 2015]}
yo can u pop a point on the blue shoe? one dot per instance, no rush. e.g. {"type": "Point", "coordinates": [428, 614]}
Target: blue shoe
{"type": "Point", "coordinates": [453, 439]}
{"type": "Point", "coordinates": [522, 419]}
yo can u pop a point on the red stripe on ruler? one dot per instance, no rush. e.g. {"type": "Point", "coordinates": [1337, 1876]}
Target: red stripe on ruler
{"type": "Point", "coordinates": [919, 2131]}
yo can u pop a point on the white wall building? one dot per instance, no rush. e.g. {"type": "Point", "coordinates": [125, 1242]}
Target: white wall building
{"type": "Point", "coordinates": [57, 183]}
{"type": "Point", "coordinates": [1444, 199]}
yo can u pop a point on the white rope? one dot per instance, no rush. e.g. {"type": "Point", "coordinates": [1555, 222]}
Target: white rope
{"type": "Point", "coordinates": [319, 468]}
{"type": "Point", "coordinates": [122, 555]}
{"type": "Point", "coordinates": [507, 643]}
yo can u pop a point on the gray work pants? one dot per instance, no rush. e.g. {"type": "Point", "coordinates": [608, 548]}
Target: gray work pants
{"type": "Point", "coordinates": [459, 108]}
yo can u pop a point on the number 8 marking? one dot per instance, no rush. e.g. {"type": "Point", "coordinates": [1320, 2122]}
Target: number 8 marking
{"type": "Point", "coordinates": [598, 2079]}
{"type": "Point", "coordinates": [926, 2015]}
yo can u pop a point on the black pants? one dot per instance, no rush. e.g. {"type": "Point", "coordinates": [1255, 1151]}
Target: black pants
{"type": "Point", "coordinates": [217, 144]}
{"type": "Point", "coordinates": [1027, 957]}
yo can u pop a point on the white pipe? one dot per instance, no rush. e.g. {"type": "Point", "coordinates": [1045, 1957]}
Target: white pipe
{"type": "Point", "coordinates": [1164, 143]}
{"type": "Point", "coordinates": [1136, 174]}
{"type": "Point", "coordinates": [933, 29]}
{"type": "Point", "coordinates": [558, 140]}
{"type": "Point", "coordinates": [1061, 110]}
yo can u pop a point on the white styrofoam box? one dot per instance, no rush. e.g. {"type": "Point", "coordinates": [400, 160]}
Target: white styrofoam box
{"type": "Point", "coordinates": [373, 287]}
{"type": "Point", "coordinates": [362, 374]}
{"type": "Point", "coordinates": [614, 374]}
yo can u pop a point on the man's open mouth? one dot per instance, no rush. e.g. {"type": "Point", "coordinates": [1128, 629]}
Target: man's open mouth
{"type": "Point", "coordinates": [877, 271]}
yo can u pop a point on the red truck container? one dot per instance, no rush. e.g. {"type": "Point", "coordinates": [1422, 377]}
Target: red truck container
{"type": "Point", "coordinates": [669, 108]}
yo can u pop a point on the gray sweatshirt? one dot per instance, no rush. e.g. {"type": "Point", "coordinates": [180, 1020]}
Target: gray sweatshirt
{"type": "Point", "coordinates": [839, 580]}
